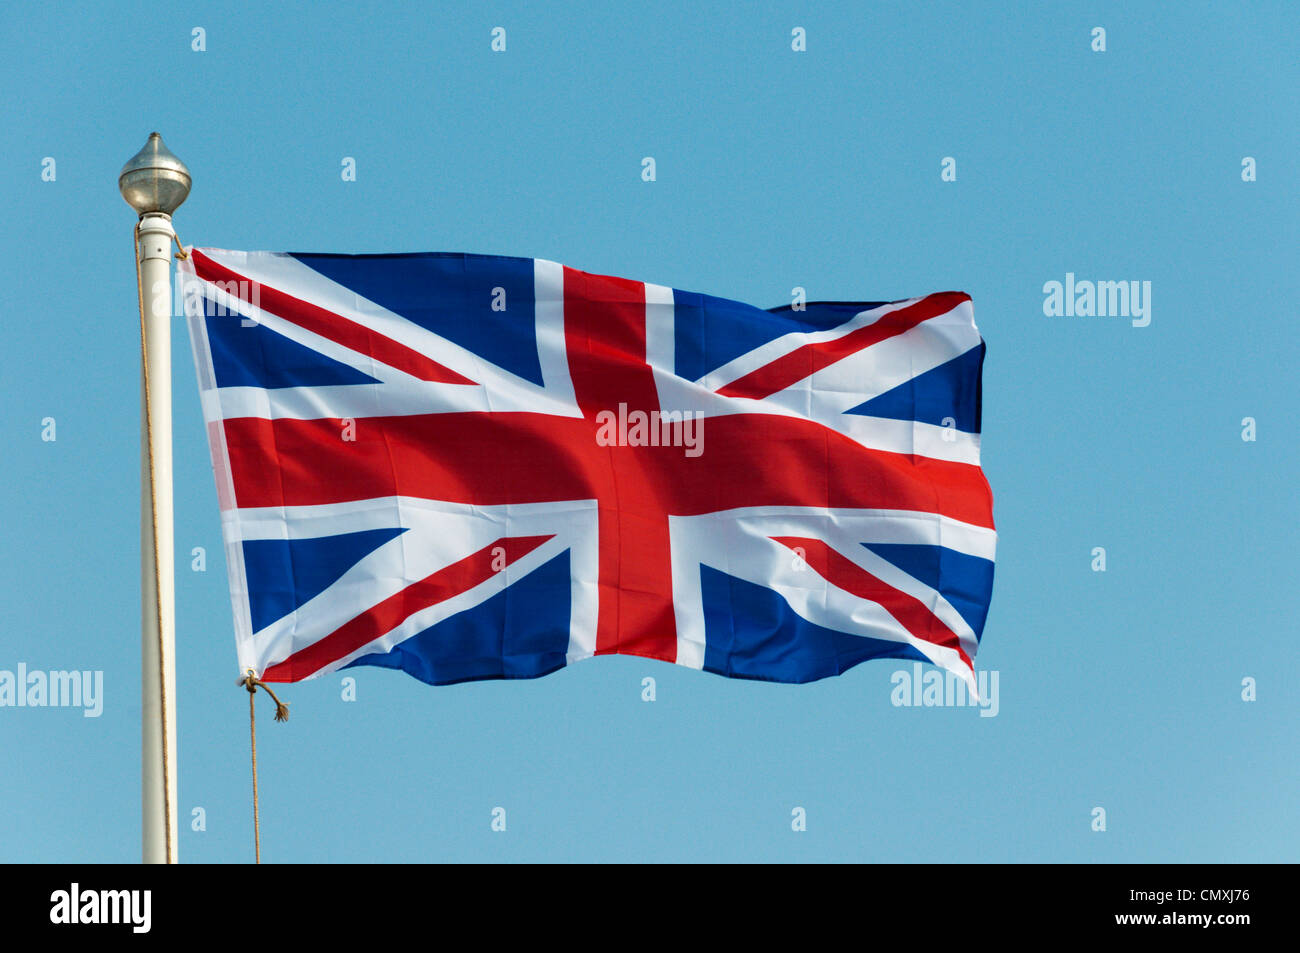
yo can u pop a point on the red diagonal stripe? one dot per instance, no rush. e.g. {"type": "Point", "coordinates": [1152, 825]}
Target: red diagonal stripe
{"type": "Point", "coordinates": [377, 621]}
{"type": "Point", "coordinates": [911, 613]}
{"type": "Point", "coordinates": [327, 324]}
{"type": "Point", "coordinates": [807, 360]}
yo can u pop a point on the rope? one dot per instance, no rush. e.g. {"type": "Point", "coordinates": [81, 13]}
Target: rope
{"type": "Point", "coordinates": [251, 682]}
{"type": "Point", "coordinates": [252, 737]}
{"type": "Point", "coordinates": [157, 568]}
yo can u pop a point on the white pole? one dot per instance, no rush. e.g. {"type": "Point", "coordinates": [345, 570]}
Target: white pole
{"type": "Point", "coordinates": [158, 601]}
{"type": "Point", "coordinates": [155, 182]}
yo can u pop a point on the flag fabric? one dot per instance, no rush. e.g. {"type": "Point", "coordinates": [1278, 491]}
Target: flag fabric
{"type": "Point", "coordinates": [473, 467]}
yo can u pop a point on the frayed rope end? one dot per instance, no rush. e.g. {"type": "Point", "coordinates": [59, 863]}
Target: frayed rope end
{"type": "Point", "coordinates": [252, 683]}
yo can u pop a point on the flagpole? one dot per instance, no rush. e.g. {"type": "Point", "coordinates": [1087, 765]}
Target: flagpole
{"type": "Point", "coordinates": [154, 182]}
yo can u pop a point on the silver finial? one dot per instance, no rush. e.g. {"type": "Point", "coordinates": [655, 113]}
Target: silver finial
{"type": "Point", "coordinates": [154, 180]}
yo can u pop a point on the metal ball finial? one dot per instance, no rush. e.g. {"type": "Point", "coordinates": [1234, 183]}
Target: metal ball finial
{"type": "Point", "coordinates": [154, 180]}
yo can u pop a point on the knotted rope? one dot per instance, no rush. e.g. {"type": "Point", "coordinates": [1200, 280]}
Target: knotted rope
{"type": "Point", "coordinates": [252, 682]}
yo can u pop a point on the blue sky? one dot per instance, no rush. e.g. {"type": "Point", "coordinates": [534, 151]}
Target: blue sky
{"type": "Point", "coordinates": [1119, 689]}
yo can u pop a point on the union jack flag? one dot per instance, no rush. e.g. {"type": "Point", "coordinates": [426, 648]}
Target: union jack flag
{"type": "Point", "coordinates": [473, 467]}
